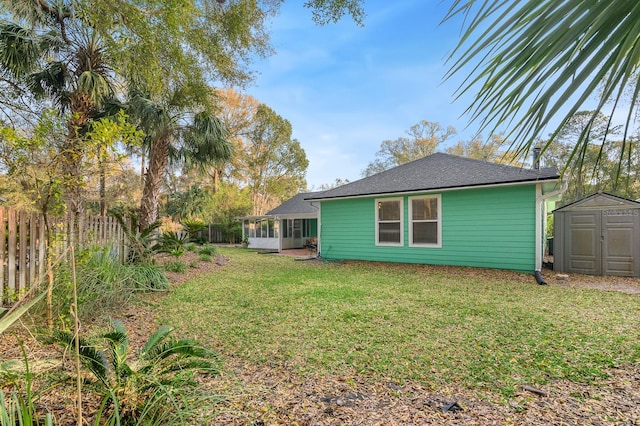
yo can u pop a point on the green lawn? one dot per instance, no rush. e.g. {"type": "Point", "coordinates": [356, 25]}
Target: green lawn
{"type": "Point", "coordinates": [401, 322]}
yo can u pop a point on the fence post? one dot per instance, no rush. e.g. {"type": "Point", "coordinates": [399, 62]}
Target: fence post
{"type": "Point", "coordinates": [42, 246]}
{"type": "Point", "coordinates": [2, 253]}
{"type": "Point", "coordinates": [22, 265]}
{"type": "Point", "coordinates": [11, 279]}
{"type": "Point", "coordinates": [33, 239]}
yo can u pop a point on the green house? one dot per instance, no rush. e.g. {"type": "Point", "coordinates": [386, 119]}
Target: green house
{"type": "Point", "coordinates": [441, 210]}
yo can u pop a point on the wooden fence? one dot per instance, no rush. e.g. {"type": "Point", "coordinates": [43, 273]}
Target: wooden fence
{"type": "Point", "coordinates": [219, 235]}
{"type": "Point", "coordinates": [26, 239]}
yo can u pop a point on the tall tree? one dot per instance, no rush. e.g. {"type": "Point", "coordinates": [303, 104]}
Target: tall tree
{"type": "Point", "coordinates": [423, 139]}
{"type": "Point", "coordinates": [44, 52]}
{"type": "Point", "coordinates": [533, 61]}
{"type": "Point", "coordinates": [32, 164]}
{"type": "Point", "coordinates": [71, 52]}
{"type": "Point", "coordinates": [237, 112]}
{"type": "Point", "coordinates": [273, 162]}
{"type": "Point", "coordinates": [75, 53]}
{"type": "Point", "coordinates": [175, 133]}
{"type": "Point", "coordinates": [597, 168]}
{"type": "Point", "coordinates": [493, 150]}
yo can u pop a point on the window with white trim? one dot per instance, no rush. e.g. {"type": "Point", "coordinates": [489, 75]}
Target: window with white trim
{"type": "Point", "coordinates": [389, 214]}
{"type": "Point", "coordinates": [425, 221]}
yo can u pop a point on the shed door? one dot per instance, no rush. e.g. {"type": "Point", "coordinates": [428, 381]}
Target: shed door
{"type": "Point", "coordinates": [602, 242]}
{"type": "Point", "coordinates": [584, 247]}
{"type": "Point", "coordinates": [618, 243]}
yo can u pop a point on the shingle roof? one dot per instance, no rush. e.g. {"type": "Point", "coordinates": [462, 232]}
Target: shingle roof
{"type": "Point", "coordinates": [295, 205]}
{"type": "Point", "coordinates": [438, 171]}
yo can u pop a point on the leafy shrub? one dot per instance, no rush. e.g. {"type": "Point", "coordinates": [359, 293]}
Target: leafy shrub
{"type": "Point", "coordinates": [205, 257]}
{"type": "Point", "coordinates": [191, 247]}
{"type": "Point", "coordinates": [146, 277]}
{"type": "Point", "coordinates": [142, 244]}
{"type": "Point", "coordinates": [177, 266]}
{"type": "Point", "coordinates": [208, 250]}
{"type": "Point", "coordinates": [105, 283]}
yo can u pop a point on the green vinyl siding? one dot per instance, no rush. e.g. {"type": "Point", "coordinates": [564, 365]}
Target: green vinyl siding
{"type": "Point", "coordinates": [484, 227]}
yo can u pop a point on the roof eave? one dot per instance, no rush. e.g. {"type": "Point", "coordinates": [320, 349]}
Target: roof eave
{"type": "Point", "coordinates": [440, 189]}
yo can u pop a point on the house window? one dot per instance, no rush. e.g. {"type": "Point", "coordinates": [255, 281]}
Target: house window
{"type": "Point", "coordinates": [389, 214]}
{"type": "Point", "coordinates": [425, 227]}
{"type": "Point", "coordinates": [272, 229]}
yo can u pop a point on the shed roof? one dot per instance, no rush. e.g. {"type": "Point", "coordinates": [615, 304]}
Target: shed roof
{"type": "Point", "coordinates": [600, 200]}
{"type": "Point", "coordinates": [438, 171]}
{"type": "Point", "coordinates": [295, 205]}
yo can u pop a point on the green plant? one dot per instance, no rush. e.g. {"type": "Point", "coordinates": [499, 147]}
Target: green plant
{"type": "Point", "coordinates": [176, 266]}
{"type": "Point", "coordinates": [150, 389]}
{"type": "Point", "coordinates": [173, 243]}
{"type": "Point", "coordinates": [207, 250]}
{"type": "Point", "coordinates": [205, 257]}
{"type": "Point", "coordinates": [192, 227]}
{"type": "Point", "coordinates": [105, 283]}
{"type": "Point", "coordinates": [191, 247]}
{"type": "Point", "coordinates": [141, 244]}
{"type": "Point", "coordinates": [20, 409]}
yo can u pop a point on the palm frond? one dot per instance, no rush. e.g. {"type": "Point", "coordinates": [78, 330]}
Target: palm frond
{"type": "Point", "coordinates": [51, 81]}
{"type": "Point", "coordinates": [92, 358]}
{"type": "Point", "coordinates": [152, 343]}
{"type": "Point", "coordinates": [206, 140]}
{"type": "Point", "coordinates": [19, 49]}
{"type": "Point", "coordinates": [537, 62]}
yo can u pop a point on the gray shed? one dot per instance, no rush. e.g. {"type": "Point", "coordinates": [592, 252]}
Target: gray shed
{"type": "Point", "coordinates": [598, 235]}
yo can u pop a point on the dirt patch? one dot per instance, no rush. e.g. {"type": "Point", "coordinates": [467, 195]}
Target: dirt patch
{"type": "Point", "coordinates": [273, 395]}
{"type": "Point", "coordinates": [609, 283]}
{"type": "Point", "coordinates": [278, 395]}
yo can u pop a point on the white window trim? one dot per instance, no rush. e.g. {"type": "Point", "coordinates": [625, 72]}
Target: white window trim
{"type": "Point", "coordinates": [439, 221]}
{"type": "Point", "coordinates": [401, 243]}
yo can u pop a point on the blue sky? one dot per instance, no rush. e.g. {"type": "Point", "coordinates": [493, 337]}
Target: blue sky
{"type": "Point", "coordinates": [346, 88]}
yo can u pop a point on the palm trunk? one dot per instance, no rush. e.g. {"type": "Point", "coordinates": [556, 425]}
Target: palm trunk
{"type": "Point", "coordinates": [73, 153]}
{"type": "Point", "coordinates": [158, 159]}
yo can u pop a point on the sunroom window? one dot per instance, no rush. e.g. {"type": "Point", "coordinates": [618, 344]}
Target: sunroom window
{"type": "Point", "coordinates": [389, 214]}
{"type": "Point", "coordinates": [425, 221]}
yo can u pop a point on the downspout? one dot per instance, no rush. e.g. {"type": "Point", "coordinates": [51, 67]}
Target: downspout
{"type": "Point", "coordinates": [318, 237]}
{"type": "Point", "coordinates": [540, 199]}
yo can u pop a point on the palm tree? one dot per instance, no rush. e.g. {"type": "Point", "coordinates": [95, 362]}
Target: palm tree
{"type": "Point", "coordinates": [53, 59]}
{"type": "Point", "coordinates": [533, 60]}
{"type": "Point", "coordinates": [174, 134]}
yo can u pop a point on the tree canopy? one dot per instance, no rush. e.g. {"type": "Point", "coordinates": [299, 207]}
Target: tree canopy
{"type": "Point", "coordinates": [422, 139]}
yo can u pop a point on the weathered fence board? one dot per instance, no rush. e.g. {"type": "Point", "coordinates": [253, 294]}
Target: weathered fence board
{"type": "Point", "coordinates": [13, 243]}
{"type": "Point", "coordinates": [24, 239]}
{"type": "Point", "coordinates": [2, 253]}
